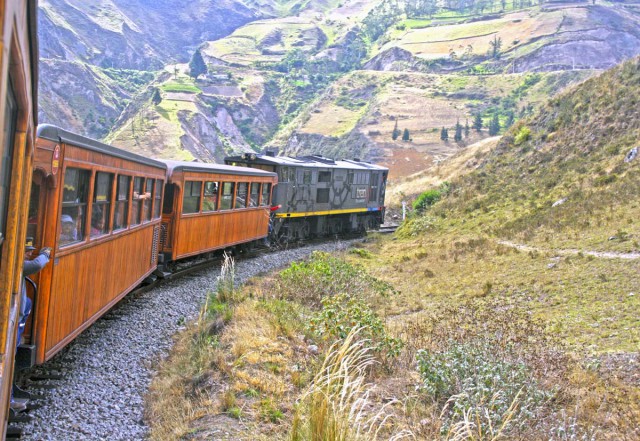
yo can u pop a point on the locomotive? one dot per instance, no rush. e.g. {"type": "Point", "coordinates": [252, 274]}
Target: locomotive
{"type": "Point", "coordinates": [318, 196]}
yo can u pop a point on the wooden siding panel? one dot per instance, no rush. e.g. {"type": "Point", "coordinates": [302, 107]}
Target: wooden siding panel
{"type": "Point", "coordinates": [201, 233]}
{"type": "Point", "coordinates": [86, 281]}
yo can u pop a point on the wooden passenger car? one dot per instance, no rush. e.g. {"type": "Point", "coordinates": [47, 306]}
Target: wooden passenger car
{"type": "Point", "coordinates": [18, 80]}
{"type": "Point", "coordinates": [210, 206]}
{"type": "Point", "coordinates": [99, 208]}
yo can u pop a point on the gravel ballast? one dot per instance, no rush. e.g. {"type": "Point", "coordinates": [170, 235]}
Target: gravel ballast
{"type": "Point", "coordinates": [107, 370]}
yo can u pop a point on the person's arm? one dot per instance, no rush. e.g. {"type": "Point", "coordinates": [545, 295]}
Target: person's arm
{"type": "Point", "coordinates": [33, 266]}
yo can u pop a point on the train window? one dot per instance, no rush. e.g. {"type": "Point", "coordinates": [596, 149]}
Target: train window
{"type": "Point", "coordinates": [74, 205]}
{"type": "Point", "coordinates": [283, 174]}
{"type": "Point", "coordinates": [292, 174]}
{"type": "Point", "coordinates": [10, 119]}
{"type": "Point", "coordinates": [101, 204]}
{"type": "Point", "coordinates": [350, 177]}
{"type": "Point", "coordinates": [266, 194]}
{"type": "Point", "coordinates": [148, 199]}
{"type": "Point", "coordinates": [324, 176]}
{"type": "Point", "coordinates": [241, 195]}
{"type": "Point", "coordinates": [226, 202]}
{"type": "Point", "coordinates": [306, 177]}
{"type": "Point", "coordinates": [210, 200]}
{"type": "Point", "coordinates": [191, 197]}
{"type": "Point", "coordinates": [255, 194]}
{"type": "Point", "coordinates": [120, 218]}
{"type": "Point", "coordinates": [322, 196]}
{"type": "Point", "coordinates": [157, 195]}
{"type": "Point", "coordinates": [138, 200]}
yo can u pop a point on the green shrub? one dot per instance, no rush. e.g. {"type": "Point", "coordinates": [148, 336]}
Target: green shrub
{"type": "Point", "coordinates": [426, 199]}
{"type": "Point", "coordinates": [343, 313]}
{"type": "Point", "coordinates": [474, 383]}
{"type": "Point", "coordinates": [524, 134]}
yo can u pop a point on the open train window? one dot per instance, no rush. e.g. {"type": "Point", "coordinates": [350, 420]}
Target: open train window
{"type": "Point", "coordinates": [138, 200]}
{"type": "Point", "coordinates": [74, 205]}
{"type": "Point", "coordinates": [101, 204]}
{"type": "Point", "coordinates": [210, 199]}
{"type": "Point", "coordinates": [265, 200]}
{"type": "Point", "coordinates": [6, 156]}
{"type": "Point", "coordinates": [121, 216]}
{"type": "Point", "coordinates": [226, 202]}
{"type": "Point", "coordinates": [322, 196]}
{"type": "Point", "coordinates": [148, 199]}
{"type": "Point", "coordinates": [157, 196]}
{"type": "Point", "coordinates": [255, 194]}
{"type": "Point", "coordinates": [191, 197]}
{"type": "Point", "coordinates": [324, 176]}
{"type": "Point", "coordinates": [241, 195]}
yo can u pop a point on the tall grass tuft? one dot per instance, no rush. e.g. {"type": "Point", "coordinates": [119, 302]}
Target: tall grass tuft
{"type": "Point", "coordinates": [337, 405]}
{"type": "Point", "coordinates": [226, 291]}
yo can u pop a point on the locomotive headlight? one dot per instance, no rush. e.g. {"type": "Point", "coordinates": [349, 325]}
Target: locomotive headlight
{"type": "Point", "coordinates": [252, 157]}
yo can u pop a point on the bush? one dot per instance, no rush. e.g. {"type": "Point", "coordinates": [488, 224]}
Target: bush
{"type": "Point", "coordinates": [523, 135]}
{"type": "Point", "coordinates": [426, 199]}
{"type": "Point", "coordinates": [342, 313]}
{"type": "Point", "coordinates": [475, 384]}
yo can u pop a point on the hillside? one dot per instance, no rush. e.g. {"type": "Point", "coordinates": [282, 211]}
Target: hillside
{"type": "Point", "coordinates": [508, 309]}
{"type": "Point", "coordinates": [329, 77]}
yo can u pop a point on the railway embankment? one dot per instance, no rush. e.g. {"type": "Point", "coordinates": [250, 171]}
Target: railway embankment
{"type": "Point", "coordinates": [106, 371]}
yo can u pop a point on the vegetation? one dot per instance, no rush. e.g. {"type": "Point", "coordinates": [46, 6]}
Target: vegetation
{"type": "Point", "coordinates": [197, 65]}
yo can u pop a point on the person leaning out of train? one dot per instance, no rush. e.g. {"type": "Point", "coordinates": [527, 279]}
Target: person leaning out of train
{"type": "Point", "coordinates": [31, 266]}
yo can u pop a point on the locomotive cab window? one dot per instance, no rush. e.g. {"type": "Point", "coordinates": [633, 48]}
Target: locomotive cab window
{"type": "Point", "coordinates": [241, 195]}
{"type": "Point", "coordinates": [101, 204]}
{"type": "Point", "coordinates": [148, 200]}
{"type": "Point", "coordinates": [138, 200]}
{"type": "Point", "coordinates": [255, 194]}
{"type": "Point", "coordinates": [226, 202]}
{"type": "Point", "coordinates": [210, 199]}
{"type": "Point", "coordinates": [324, 176]}
{"type": "Point", "coordinates": [283, 174]}
{"type": "Point", "coordinates": [265, 200]}
{"type": "Point", "coordinates": [121, 216]}
{"type": "Point", "coordinates": [157, 196]}
{"type": "Point", "coordinates": [306, 177]}
{"type": "Point", "coordinates": [74, 206]}
{"type": "Point", "coordinates": [191, 197]}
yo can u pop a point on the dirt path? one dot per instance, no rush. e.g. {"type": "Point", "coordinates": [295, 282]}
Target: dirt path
{"type": "Point", "coordinates": [569, 252]}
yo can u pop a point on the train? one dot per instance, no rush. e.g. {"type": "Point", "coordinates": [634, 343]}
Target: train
{"type": "Point", "coordinates": [115, 220]}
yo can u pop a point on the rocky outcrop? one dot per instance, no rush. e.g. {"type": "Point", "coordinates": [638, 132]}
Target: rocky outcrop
{"type": "Point", "coordinates": [394, 58]}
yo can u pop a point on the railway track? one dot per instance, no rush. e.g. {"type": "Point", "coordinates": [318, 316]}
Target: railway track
{"type": "Point", "coordinates": [40, 383]}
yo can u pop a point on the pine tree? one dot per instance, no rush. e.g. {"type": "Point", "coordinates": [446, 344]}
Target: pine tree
{"type": "Point", "coordinates": [444, 134]}
{"type": "Point", "coordinates": [494, 125]}
{"type": "Point", "coordinates": [457, 137]}
{"type": "Point", "coordinates": [496, 45]}
{"type": "Point", "coordinates": [396, 131]}
{"type": "Point", "coordinates": [196, 65]}
{"type": "Point", "coordinates": [466, 129]}
{"type": "Point", "coordinates": [156, 98]}
{"type": "Point", "coordinates": [510, 119]}
{"type": "Point", "coordinates": [477, 122]}
{"type": "Point", "coordinates": [405, 135]}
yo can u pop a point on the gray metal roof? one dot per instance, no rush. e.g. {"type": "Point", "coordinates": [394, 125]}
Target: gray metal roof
{"type": "Point", "coordinates": [308, 161]}
{"type": "Point", "coordinates": [56, 134]}
{"type": "Point", "coordinates": [204, 167]}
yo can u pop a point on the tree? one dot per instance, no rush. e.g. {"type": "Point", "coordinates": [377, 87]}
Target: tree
{"type": "Point", "coordinates": [496, 45]}
{"type": "Point", "coordinates": [156, 98]}
{"type": "Point", "coordinates": [396, 131]}
{"type": "Point", "coordinates": [510, 119]}
{"type": "Point", "coordinates": [444, 134]}
{"type": "Point", "coordinates": [405, 135]}
{"type": "Point", "coordinates": [196, 65]}
{"type": "Point", "coordinates": [477, 122]}
{"type": "Point", "coordinates": [466, 129]}
{"type": "Point", "coordinates": [457, 137]}
{"type": "Point", "coordinates": [494, 125]}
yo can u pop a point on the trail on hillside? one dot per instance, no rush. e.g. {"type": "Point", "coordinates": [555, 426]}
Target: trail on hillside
{"type": "Point", "coordinates": [568, 252]}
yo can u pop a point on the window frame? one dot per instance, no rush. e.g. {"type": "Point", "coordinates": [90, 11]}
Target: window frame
{"type": "Point", "coordinates": [232, 195]}
{"type": "Point", "coordinates": [81, 232]}
{"type": "Point", "coordinates": [108, 202]}
{"type": "Point", "coordinates": [127, 203]}
{"type": "Point", "coordinates": [211, 194]}
{"type": "Point", "coordinates": [198, 196]}
{"type": "Point", "coordinates": [269, 185]}
{"type": "Point", "coordinates": [237, 195]}
{"type": "Point", "coordinates": [158, 191]}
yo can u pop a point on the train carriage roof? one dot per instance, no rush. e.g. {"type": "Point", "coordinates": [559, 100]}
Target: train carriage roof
{"type": "Point", "coordinates": [56, 134]}
{"type": "Point", "coordinates": [306, 161]}
{"type": "Point", "coordinates": [205, 167]}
